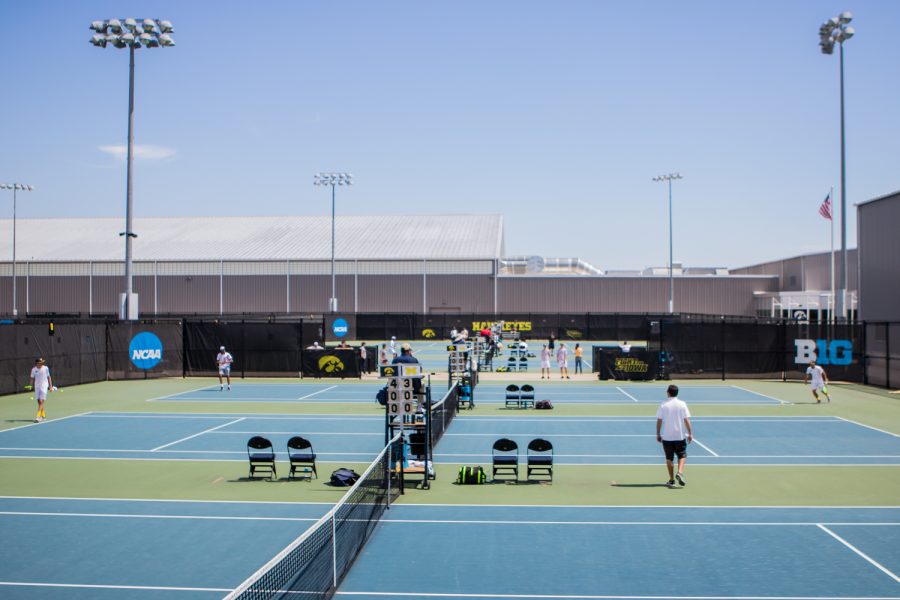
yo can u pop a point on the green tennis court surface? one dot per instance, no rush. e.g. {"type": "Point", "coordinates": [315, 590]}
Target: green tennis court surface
{"type": "Point", "coordinates": [150, 477]}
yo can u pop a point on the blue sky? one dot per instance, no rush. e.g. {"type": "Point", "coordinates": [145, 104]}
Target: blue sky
{"type": "Point", "coordinates": [554, 114]}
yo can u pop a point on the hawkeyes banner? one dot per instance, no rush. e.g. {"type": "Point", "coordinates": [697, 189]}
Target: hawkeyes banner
{"type": "Point", "coordinates": [638, 364]}
{"type": "Point", "coordinates": [331, 362]}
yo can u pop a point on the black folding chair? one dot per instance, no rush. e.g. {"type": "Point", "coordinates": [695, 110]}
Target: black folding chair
{"type": "Point", "coordinates": [539, 459]}
{"type": "Point", "coordinates": [526, 398]}
{"type": "Point", "coordinates": [512, 396]}
{"type": "Point", "coordinates": [505, 455]}
{"type": "Point", "coordinates": [302, 458]}
{"type": "Point", "coordinates": [262, 456]}
{"type": "Point", "coordinates": [523, 363]}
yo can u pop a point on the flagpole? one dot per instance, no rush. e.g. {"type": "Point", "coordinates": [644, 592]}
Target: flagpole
{"type": "Point", "coordinates": [833, 299]}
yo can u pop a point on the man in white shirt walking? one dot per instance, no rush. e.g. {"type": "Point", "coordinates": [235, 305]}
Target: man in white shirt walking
{"type": "Point", "coordinates": [41, 383]}
{"type": "Point", "coordinates": [224, 360]}
{"type": "Point", "coordinates": [819, 380]}
{"type": "Point", "coordinates": [673, 431]}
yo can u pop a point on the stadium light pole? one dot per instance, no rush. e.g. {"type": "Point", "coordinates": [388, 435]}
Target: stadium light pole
{"type": "Point", "coordinates": [334, 180]}
{"type": "Point", "coordinates": [15, 187]}
{"type": "Point", "coordinates": [838, 30]}
{"type": "Point", "coordinates": [132, 34]}
{"type": "Point", "coordinates": [669, 179]}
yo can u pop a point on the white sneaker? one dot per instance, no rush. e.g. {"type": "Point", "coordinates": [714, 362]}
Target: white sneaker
{"type": "Point", "coordinates": [229, 388]}
{"type": "Point", "coordinates": [221, 387]}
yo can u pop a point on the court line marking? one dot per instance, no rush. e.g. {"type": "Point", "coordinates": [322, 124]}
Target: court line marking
{"type": "Point", "coordinates": [705, 447]}
{"type": "Point", "coordinates": [53, 420]}
{"type": "Point", "coordinates": [367, 457]}
{"type": "Point", "coordinates": [638, 523]}
{"type": "Point", "coordinates": [205, 387]}
{"type": "Point", "coordinates": [868, 426]}
{"type": "Point", "coordinates": [760, 394]}
{"type": "Point", "coordinates": [715, 507]}
{"type": "Point", "coordinates": [590, 597]}
{"type": "Point", "coordinates": [307, 433]}
{"type": "Point", "coordinates": [267, 399]}
{"type": "Point", "coordinates": [132, 516]}
{"type": "Point", "coordinates": [160, 588]}
{"type": "Point", "coordinates": [190, 437]}
{"type": "Point", "coordinates": [627, 394]}
{"type": "Point", "coordinates": [862, 554]}
{"type": "Point", "coordinates": [179, 500]}
{"type": "Point", "coordinates": [265, 417]}
{"type": "Point", "coordinates": [319, 392]}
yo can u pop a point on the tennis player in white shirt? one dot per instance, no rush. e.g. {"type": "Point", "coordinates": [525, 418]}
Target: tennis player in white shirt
{"type": "Point", "coordinates": [42, 384]}
{"type": "Point", "coordinates": [673, 431]}
{"type": "Point", "coordinates": [819, 381]}
{"type": "Point", "coordinates": [223, 361]}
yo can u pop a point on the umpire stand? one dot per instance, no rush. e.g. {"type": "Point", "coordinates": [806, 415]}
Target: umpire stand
{"type": "Point", "coordinates": [407, 413]}
{"type": "Point", "coordinates": [461, 371]}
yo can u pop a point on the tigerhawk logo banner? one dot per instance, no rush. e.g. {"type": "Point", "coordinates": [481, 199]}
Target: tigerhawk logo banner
{"type": "Point", "coordinates": [330, 364]}
{"type": "Point", "coordinates": [428, 333]}
{"type": "Point", "coordinates": [631, 365]}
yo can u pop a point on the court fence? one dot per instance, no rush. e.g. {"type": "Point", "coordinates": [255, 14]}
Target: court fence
{"type": "Point", "coordinates": [684, 346]}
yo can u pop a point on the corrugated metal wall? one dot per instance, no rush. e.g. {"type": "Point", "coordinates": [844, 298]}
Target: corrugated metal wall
{"type": "Point", "coordinates": [807, 272]}
{"type": "Point", "coordinates": [879, 259]}
{"type": "Point", "coordinates": [708, 295]}
{"type": "Point", "coordinates": [460, 293]}
{"type": "Point", "coordinates": [213, 287]}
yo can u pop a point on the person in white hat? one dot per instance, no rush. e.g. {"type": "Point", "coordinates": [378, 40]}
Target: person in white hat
{"type": "Point", "coordinates": [224, 360]}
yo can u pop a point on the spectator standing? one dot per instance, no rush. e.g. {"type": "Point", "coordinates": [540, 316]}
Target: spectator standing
{"type": "Point", "coordinates": [545, 361]}
{"type": "Point", "coordinates": [363, 359]}
{"type": "Point", "coordinates": [578, 352]}
{"type": "Point", "coordinates": [562, 361]}
{"type": "Point", "coordinates": [383, 355]}
{"type": "Point", "coordinates": [551, 343]}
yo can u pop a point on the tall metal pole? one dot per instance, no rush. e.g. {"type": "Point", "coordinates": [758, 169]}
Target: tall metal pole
{"type": "Point", "coordinates": [671, 279]}
{"type": "Point", "coordinates": [128, 197]}
{"type": "Point", "coordinates": [15, 312]}
{"type": "Point", "coordinates": [333, 302]}
{"type": "Point", "coordinates": [842, 308]}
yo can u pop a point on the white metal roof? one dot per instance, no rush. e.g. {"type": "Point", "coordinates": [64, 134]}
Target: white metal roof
{"type": "Point", "coordinates": [394, 237]}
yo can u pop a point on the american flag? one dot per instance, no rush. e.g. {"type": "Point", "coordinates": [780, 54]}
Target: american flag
{"type": "Point", "coordinates": [825, 209]}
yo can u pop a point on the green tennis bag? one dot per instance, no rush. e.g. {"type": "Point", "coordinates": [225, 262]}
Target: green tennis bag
{"type": "Point", "coordinates": [471, 476]}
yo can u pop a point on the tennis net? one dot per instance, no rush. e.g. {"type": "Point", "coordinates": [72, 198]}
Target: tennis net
{"type": "Point", "coordinates": [314, 564]}
{"type": "Point", "coordinates": [442, 413]}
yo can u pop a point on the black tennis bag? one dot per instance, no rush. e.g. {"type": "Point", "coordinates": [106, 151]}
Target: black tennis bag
{"type": "Point", "coordinates": [471, 476]}
{"type": "Point", "coordinates": [344, 477]}
{"type": "Point", "coordinates": [381, 396]}
{"type": "Point", "coordinates": [543, 405]}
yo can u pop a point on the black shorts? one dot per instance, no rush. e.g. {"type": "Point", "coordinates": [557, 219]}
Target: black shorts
{"type": "Point", "coordinates": [675, 448]}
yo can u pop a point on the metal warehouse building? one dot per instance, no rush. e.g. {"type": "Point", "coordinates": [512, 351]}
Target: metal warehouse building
{"type": "Point", "coordinates": [281, 265]}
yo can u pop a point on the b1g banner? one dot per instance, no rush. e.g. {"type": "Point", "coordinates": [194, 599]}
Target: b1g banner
{"type": "Point", "coordinates": [330, 362]}
{"type": "Point", "coordinates": [638, 364]}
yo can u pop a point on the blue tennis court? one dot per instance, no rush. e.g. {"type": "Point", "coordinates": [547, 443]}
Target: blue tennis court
{"type": "Point", "coordinates": [356, 392]}
{"type": "Point", "coordinates": [354, 438]}
{"type": "Point", "coordinates": [570, 392]}
{"type": "Point", "coordinates": [291, 392]}
{"type": "Point", "coordinates": [551, 552]}
{"type": "Point", "coordinates": [105, 549]}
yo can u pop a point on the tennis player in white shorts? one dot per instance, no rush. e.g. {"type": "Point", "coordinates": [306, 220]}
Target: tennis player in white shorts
{"type": "Point", "coordinates": [818, 379]}
{"type": "Point", "coordinates": [224, 360]}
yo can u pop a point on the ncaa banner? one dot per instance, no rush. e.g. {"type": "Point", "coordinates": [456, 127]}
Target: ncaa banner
{"type": "Point", "coordinates": [340, 328]}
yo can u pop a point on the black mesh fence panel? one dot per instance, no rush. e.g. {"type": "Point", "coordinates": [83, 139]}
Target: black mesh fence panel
{"type": "Point", "coordinates": [75, 353]}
